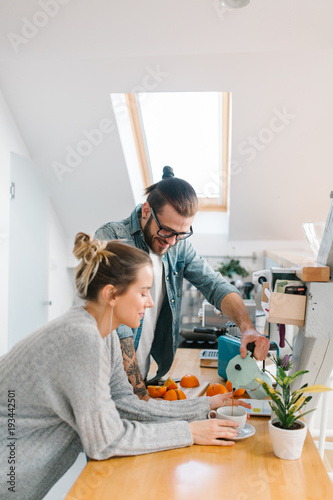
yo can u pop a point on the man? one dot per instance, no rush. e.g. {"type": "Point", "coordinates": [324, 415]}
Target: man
{"type": "Point", "coordinates": [162, 226]}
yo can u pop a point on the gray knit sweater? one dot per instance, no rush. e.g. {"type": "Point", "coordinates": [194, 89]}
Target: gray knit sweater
{"type": "Point", "coordinates": [70, 392]}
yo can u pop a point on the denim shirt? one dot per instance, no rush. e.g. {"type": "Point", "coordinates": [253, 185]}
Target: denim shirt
{"type": "Point", "coordinates": [181, 261]}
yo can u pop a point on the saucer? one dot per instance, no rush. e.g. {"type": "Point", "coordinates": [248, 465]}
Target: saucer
{"type": "Point", "coordinates": [247, 431]}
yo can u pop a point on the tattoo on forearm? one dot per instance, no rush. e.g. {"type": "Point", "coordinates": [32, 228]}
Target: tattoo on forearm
{"type": "Point", "coordinates": [133, 372]}
{"type": "Point", "coordinates": [131, 367]}
{"type": "Point", "coordinates": [127, 347]}
{"type": "Point", "coordinates": [141, 392]}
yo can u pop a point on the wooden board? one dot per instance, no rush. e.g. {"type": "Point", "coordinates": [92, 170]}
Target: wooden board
{"type": "Point", "coordinates": [209, 363]}
{"type": "Point", "coordinates": [195, 392]}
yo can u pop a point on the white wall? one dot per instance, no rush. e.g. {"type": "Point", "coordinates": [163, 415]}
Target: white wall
{"type": "Point", "coordinates": [61, 289]}
{"type": "Point", "coordinates": [28, 250]}
{"type": "Point", "coordinates": [10, 141]}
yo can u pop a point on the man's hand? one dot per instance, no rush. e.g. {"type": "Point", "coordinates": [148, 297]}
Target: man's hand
{"type": "Point", "coordinates": [233, 306]}
{"type": "Point", "coordinates": [132, 368]}
{"type": "Point", "coordinates": [261, 344]}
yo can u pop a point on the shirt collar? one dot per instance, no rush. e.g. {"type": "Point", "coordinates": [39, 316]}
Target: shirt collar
{"type": "Point", "coordinates": [135, 216]}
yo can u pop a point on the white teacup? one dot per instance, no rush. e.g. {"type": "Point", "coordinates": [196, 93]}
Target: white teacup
{"type": "Point", "coordinates": [236, 413]}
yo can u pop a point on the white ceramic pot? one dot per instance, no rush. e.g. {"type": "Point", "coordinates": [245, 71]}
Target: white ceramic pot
{"type": "Point", "coordinates": [287, 444]}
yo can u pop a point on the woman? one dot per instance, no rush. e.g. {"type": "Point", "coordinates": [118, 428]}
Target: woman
{"type": "Point", "coordinates": [68, 389]}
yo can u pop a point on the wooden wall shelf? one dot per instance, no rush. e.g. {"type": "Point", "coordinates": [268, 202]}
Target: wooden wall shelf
{"type": "Point", "coordinates": [305, 267]}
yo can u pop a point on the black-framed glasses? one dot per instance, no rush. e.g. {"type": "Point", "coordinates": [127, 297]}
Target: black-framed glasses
{"type": "Point", "coordinates": [168, 233]}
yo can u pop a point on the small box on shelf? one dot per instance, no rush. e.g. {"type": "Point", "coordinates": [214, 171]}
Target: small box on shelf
{"type": "Point", "coordinates": [283, 308]}
{"type": "Point", "coordinates": [287, 309]}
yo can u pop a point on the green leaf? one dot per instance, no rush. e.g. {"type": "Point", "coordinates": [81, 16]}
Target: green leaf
{"type": "Point", "coordinates": [278, 402]}
{"type": "Point", "coordinates": [315, 388]}
{"type": "Point", "coordinates": [290, 420]}
{"type": "Point", "coordinates": [280, 415]}
{"type": "Point", "coordinates": [267, 388]}
{"type": "Point", "coordinates": [232, 267]}
{"type": "Point", "coordinates": [303, 414]}
{"type": "Point", "coordinates": [295, 397]}
{"type": "Point", "coordinates": [271, 374]}
{"type": "Point", "coordinates": [281, 373]}
{"type": "Point", "coordinates": [298, 374]}
{"type": "Point", "coordinates": [297, 406]}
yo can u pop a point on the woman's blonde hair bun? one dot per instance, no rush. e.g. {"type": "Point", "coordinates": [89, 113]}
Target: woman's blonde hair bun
{"type": "Point", "coordinates": [91, 252]}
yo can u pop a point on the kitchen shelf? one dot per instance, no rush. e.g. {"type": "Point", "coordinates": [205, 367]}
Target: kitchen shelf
{"type": "Point", "coordinates": [306, 268]}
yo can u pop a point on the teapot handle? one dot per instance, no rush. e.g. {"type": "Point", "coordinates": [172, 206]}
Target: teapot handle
{"type": "Point", "coordinates": [250, 347]}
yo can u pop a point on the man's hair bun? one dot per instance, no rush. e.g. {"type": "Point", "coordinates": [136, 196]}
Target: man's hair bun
{"type": "Point", "coordinates": [167, 172]}
{"type": "Point", "coordinates": [173, 191]}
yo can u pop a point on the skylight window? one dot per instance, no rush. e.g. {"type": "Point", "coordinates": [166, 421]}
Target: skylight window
{"type": "Point", "coordinates": [188, 131]}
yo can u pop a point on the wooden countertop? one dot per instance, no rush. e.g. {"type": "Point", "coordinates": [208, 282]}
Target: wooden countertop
{"type": "Point", "coordinates": [245, 471]}
{"type": "Point", "coordinates": [306, 267]}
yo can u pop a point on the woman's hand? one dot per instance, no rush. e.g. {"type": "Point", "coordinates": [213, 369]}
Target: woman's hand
{"type": "Point", "coordinates": [225, 400]}
{"type": "Point", "coordinates": [207, 432]}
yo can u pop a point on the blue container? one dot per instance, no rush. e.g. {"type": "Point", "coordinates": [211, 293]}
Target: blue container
{"type": "Point", "coordinates": [228, 348]}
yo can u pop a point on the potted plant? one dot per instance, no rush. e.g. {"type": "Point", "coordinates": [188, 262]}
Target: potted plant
{"type": "Point", "coordinates": [286, 430]}
{"type": "Point", "coordinates": [232, 267]}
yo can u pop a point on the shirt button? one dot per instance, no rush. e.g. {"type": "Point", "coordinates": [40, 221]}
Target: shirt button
{"type": "Point", "coordinates": [172, 300]}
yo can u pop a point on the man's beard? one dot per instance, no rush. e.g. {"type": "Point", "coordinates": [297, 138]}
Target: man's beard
{"type": "Point", "coordinates": [150, 238]}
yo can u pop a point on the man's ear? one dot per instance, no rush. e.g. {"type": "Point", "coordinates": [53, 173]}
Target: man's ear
{"type": "Point", "coordinates": [145, 210]}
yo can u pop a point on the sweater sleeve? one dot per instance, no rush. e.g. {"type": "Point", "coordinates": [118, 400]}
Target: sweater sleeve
{"type": "Point", "coordinates": [85, 385]}
{"type": "Point", "coordinates": [132, 408]}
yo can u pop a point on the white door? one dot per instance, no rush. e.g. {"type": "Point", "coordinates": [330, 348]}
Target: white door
{"type": "Point", "coordinates": [28, 251]}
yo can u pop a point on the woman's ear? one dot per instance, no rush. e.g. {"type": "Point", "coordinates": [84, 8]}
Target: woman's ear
{"type": "Point", "coordinates": [108, 294]}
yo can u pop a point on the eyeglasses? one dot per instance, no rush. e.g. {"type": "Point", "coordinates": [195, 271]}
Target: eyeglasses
{"type": "Point", "coordinates": [168, 233]}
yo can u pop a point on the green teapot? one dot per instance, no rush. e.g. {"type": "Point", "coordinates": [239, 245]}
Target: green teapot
{"type": "Point", "coordinates": [242, 372]}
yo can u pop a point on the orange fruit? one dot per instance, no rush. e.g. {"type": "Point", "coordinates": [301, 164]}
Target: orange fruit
{"type": "Point", "coordinates": [216, 389]}
{"type": "Point", "coordinates": [189, 381]}
{"type": "Point", "coordinates": [174, 394]}
{"type": "Point", "coordinates": [156, 391]}
{"type": "Point", "coordinates": [239, 392]}
{"type": "Point", "coordinates": [170, 395]}
{"type": "Point", "coordinates": [180, 394]}
{"type": "Point", "coordinates": [228, 385]}
{"type": "Point", "coordinates": [170, 384]}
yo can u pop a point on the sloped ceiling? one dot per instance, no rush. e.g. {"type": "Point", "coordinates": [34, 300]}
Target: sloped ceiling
{"type": "Point", "coordinates": [61, 59]}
